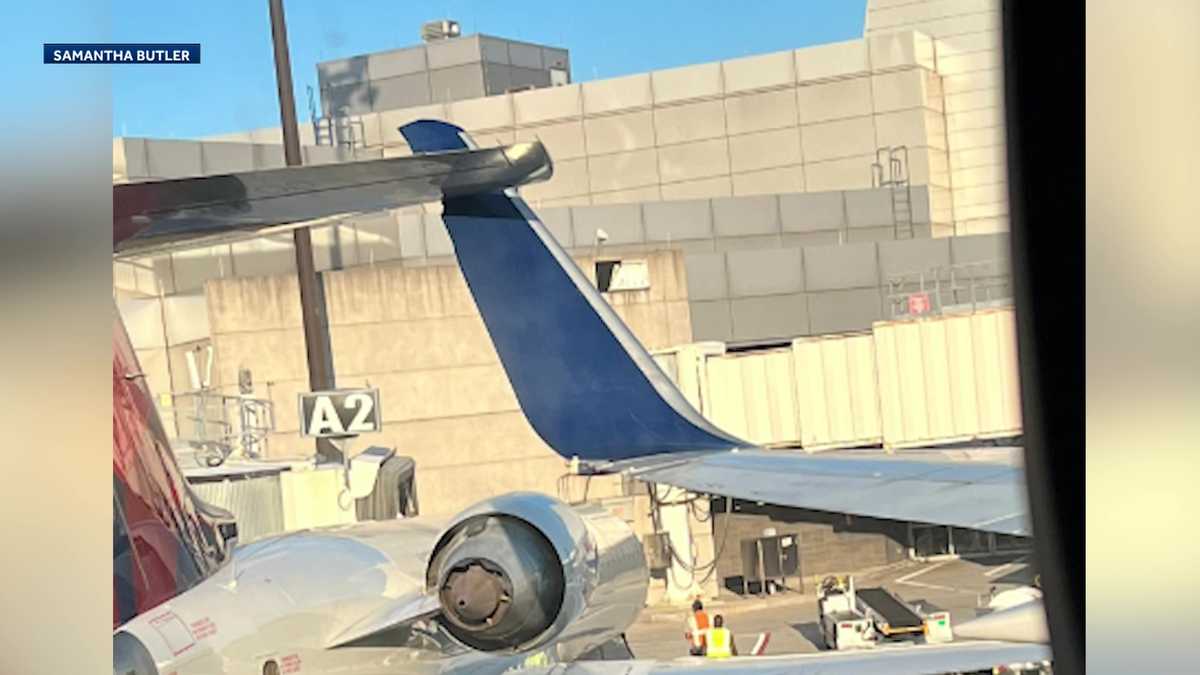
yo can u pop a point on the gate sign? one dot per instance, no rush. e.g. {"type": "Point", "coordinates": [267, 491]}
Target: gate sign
{"type": "Point", "coordinates": [918, 303]}
{"type": "Point", "coordinates": [339, 413]}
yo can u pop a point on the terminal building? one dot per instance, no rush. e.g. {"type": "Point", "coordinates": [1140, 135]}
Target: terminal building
{"type": "Point", "coordinates": [773, 216]}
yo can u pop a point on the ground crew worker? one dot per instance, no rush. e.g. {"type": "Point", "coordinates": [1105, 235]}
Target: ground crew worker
{"type": "Point", "coordinates": [718, 641]}
{"type": "Point", "coordinates": [697, 623]}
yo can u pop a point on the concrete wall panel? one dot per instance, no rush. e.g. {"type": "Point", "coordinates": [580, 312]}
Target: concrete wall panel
{"type": "Point", "coordinates": [689, 161]}
{"type": "Point", "coordinates": [221, 158]}
{"type": "Point", "coordinates": [382, 65]}
{"type": "Point", "coordinates": [765, 272]}
{"type": "Point", "coordinates": [976, 138]}
{"type": "Point", "coordinates": [711, 320]}
{"type": "Point", "coordinates": [618, 93]}
{"type": "Point", "coordinates": [481, 113]}
{"type": "Point", "coordinates": [868, 208]}
{"type": "Point", "coordinates": [905, 127]}
{"type": "Point", "coordinates": [630, 196]}
{"type": "Point", "coordinates": [570, 178]}
{"type": "Point", "coordinates": [781, 180]}
{"type": "Point", "coordinates": [840, 311]}
{"type": "Point", "coordinates": [837, 59]}
{"type": "Point", "coordinates": [900, 90]}
{"type": "Point", "coordinates": [343, 71]}
{"type": "Point", "coordinates": [689, 122]}
{"type": "Point", "coordinates": [698, 189]}
{"type": "Point", "coordinates": [624, 170]}
{"type": "Point", "coordinates": [563, 140]}
{"type": "Point", "coordinates": [173, 159]}
{"type": "Point", "coordinates": [676, 220]}
{"type": "Point", "coordinates": [758, 112]}
{"type": "Point", "coordinates": [450, 53]}
{"type": "Point", "coordinates": [769, 316]}
{"type": "Point", "coordinates": [834, 100]}
{"type": "Point", "coordinates": [741, 216]}
{"type": "Point", "coordinates": [677, 84]}
{"type": "Point", "coordinates": [838, 174]}
{"type": "Point", "coordinates": [541, 105]}
{"type": "Point", "coordinates": [622, 222]}
{"type": "Point", "coordinates": [912, 255]}
{"type": "Point", "coordinates": [525, 56]}
{"type": "Point", "coordinates": [758, 72]}
{"type": "Point", "coordinates": [377, 237]}
{"type": "Point", "coordinates": [812, 211]}
{"type": "Point", "coordinates": [706, 276]}
{"type": "Point", "coordinates": [838, 139]}
{"type": "Point", "coordinates": [763, 150]}
{"type": "Point", "coordinates": [456, 83]}
{"type": "Point", "coordinates": [838, 267]}
{"type": "Point", "coordinates": [619, 133]}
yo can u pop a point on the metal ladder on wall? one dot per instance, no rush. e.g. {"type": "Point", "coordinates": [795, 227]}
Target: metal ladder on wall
{"type": "Point", "coordinates": [341, 129]}
{"type": "Point", "coordinates": [890, 170]}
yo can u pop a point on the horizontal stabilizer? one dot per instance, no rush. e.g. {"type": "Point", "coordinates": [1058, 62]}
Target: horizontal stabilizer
{"type": "Point", "coordinates": [155, 215]}
{"type": "Point", "coordinates": [972, 494]}
{"type": "Point", "coordinates": [584, 382]}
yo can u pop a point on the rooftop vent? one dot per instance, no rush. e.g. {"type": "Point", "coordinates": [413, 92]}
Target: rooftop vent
{"type": "Point", "coordinates": [444, 29]}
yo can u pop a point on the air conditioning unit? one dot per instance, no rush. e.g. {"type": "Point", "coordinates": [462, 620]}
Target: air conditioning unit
{"type": "Point", "coordinates": [443, 29]}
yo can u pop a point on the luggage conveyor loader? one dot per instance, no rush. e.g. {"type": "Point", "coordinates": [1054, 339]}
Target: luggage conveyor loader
{"type": "Point", "coordinates": [852, 618]}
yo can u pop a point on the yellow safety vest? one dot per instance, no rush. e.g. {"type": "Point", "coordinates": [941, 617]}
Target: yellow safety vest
{"type": "Point", "coordinates": [718, 642]}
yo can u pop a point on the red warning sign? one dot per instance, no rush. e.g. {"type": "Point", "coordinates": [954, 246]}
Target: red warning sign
{"type": "Point", "coordinates": [918, 303]}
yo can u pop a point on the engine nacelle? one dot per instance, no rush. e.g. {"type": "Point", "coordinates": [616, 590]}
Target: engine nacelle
{"type": "Point", "coordinates": [523, 570]}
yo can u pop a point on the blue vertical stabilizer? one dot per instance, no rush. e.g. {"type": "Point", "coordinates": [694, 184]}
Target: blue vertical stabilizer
{"type": "Point", "coordinates": [584, 382]}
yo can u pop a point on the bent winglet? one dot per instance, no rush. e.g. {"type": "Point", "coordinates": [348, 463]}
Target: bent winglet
{"type": "Point", "coordinates": [584, 382]}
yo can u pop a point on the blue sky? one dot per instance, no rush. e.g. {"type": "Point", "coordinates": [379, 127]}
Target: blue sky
{"type": "Point", "coordinates": [233, 89]}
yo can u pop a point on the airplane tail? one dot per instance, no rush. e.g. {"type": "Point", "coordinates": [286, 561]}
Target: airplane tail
{"type": "Point", "coordinates": [584, 382]}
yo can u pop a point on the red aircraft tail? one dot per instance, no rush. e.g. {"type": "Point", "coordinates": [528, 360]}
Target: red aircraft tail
{"type": "Point", "coordinates": [165, 539]}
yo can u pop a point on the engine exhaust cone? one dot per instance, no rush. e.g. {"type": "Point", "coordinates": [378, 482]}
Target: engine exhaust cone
{"type": "Point", "coordinates": [499, 581]}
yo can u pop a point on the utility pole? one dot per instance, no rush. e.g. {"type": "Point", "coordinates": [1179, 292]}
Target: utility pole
{"type": "Point", "coordinates": [312, 302]}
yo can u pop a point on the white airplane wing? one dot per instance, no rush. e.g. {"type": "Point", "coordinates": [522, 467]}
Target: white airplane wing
{"type": "Point", "coordinates": [592, 392]}
{"type": "Point", "coordinates": [899, 660]}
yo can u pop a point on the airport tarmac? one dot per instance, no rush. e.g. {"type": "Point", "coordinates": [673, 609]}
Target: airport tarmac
{"type": "Point", "coordinates": [791, 618]}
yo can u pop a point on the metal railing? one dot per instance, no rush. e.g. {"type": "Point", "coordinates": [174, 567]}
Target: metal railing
{"type": "Point", "coordinates": [217, 425]}
{"type": "Point", "coordinates": [936, 290]}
